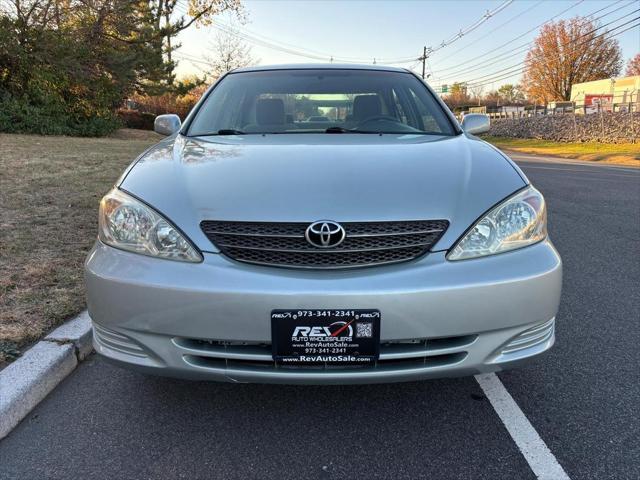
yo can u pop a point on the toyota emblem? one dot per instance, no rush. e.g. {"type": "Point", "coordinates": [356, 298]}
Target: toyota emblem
{"type": "Point", "coordinates": [325, 234]}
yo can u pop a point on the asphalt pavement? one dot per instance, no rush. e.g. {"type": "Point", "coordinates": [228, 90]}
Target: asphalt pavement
{"type": "Point", "coordinates": [582, 398]}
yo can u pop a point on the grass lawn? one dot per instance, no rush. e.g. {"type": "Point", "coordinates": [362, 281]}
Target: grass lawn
{"type": "Point", "coordinates": [620, 154]}
{"type": "Point", "coordinates": [49, 189]}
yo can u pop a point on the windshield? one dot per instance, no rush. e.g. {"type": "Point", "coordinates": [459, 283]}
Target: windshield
{"type": "Point", "coordinates": [320, 101]}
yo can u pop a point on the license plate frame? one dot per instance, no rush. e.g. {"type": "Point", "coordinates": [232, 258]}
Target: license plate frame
{"type": "Point", "coordinates": [325, 336]}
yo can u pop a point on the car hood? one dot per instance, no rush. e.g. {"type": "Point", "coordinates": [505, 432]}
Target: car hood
{"type": "Point", "coordinates": [309, 177]}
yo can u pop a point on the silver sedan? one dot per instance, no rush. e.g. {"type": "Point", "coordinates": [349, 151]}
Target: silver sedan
{"type": "Point", "coordinates": [386, 244]}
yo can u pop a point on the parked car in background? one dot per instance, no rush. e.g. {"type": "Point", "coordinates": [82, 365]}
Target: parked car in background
{"type": "Point", "coordinates": [390, 245]}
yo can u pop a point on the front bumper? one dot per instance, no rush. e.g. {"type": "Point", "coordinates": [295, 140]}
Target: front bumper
{"type": "Point", "coordinates": [212, 320]}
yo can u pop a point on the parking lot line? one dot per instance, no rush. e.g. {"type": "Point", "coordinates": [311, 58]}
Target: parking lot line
{"type": "Point", "coordinates": [535, 451]}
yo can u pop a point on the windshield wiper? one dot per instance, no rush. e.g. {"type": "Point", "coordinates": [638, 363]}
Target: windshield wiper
{"type": "Point", "coordinates": [224, 131]}
{"type": "Point", "coordinates": [346, 130]}
{"type": "Point", "coordinates": [354, 130]}
{"type": "Point", "coordinates": [229, 131]}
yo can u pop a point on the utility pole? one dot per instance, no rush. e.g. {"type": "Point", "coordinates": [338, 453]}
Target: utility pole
{"type": "Point", "coordinates": [424, 59]}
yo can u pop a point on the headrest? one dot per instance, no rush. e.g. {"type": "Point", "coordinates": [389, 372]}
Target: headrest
{"type": "Point", "coordinates": [270, 111]}
{"type": "Point", "coordinates": [366, 106]}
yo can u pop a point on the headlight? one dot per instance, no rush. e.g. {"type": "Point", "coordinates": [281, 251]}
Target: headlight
{"type": "Point", "coordinates": [519, 221]}
{"type": "Point", "coordinates": [129, 224]}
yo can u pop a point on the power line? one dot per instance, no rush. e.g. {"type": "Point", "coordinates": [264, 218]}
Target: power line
{"type": "Point", "coordinates": [484, 65]}
{"type": "Point", "coordinates": [505, 54]}
{"type": "Point", "coordinates": [522, 35]}
{"type": "Point", "coordinates": [261, 40]}
{"type": "Point", "coordinates": [497, 28]}
{"type": "Point", "coordinates": [522, 68]}
{"type": "Point", "coordinates": [183, 9]}
{"type": "Point", "coordinates": [503, 76]}
{"type": "Point", "coordinates": [267, 42]}
{"type": "Point", "coordinates": [470, 28]}
{"type": "Point", "coordinates": [191, 58]}
{"type": "Point", "coordinates": [519, 70]}
{"type": "Point", "coordinates": [523, 63]}
{"type": "Point", "coordinates": [427, 51]}
{"type": "Point", "coordinates": [298, 52]}
{"type": "Point", "coordinates": [264, 41]}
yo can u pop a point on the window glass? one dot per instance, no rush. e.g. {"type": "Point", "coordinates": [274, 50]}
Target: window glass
{"type": "Point", "coordinates": [397, 104]}
{"type": "Point", "coordinates": [429, 121]}
{"type": "Point", "coordinates": [312, 101]}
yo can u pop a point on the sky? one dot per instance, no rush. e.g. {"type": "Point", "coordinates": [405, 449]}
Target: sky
{"type": "Point", "coordinates": [385, 31]}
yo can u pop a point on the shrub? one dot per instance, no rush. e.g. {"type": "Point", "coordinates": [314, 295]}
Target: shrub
{"type": "Point", "coordinates": [66, 74]}
{"type": "Point", "coordinates": [29, 114]}
{"type": "Point", "coordinates": [136, 119]}
{"type": "Point", "coordinates": [180, 104]}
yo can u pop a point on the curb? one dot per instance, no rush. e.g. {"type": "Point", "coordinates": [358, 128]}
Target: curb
{"type": "Point", "coordinates": [28, 380]}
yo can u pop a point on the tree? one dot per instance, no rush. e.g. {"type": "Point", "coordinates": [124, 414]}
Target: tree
{"type": "Point", "coordinates": [568, 52]}
{"type": "Point", "coordinates": [476, 93]}
{"type": "Point", "coordinates": [458, 95]}
{"type": "Point", "coordinates": [67, 65]}
{"type": "Point", "coordinates": [511, 94]}
{"type": "Point", "coordinates": [633, 66]}
{"type": "Point", "coordinates": [180, 101]}
{"type": "Point", "coordinates": [230, 52]}
{"type": "Point", "coordinates": [128, 26]}
{"type": "Point", "coordinates": [170, 17]}
{"type": "Point", "coordinates": [458, 89]}
{"type": "Point", "coordinates": [492, 99]}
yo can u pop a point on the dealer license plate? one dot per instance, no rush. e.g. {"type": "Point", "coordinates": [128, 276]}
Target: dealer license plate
{"type": "Point", "coordinates": [325, 336]}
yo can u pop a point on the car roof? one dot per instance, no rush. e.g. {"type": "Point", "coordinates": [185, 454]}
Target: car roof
{"type": "Point", "coordinates": [321, 66]}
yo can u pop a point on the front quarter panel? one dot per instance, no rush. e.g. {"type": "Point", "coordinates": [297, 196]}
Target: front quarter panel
{"type": "Point", "coordinates": [507, 158]}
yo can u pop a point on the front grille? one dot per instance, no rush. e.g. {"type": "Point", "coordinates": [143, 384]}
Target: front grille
{"type": "Point", "coordinates": [285, 245]}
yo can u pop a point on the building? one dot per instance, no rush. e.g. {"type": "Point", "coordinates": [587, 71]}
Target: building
{"type": "Point", "coordinates": [609, 95]}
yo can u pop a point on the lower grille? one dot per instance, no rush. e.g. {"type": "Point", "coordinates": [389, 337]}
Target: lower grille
{"type": "Point", "coordinates": [434, 361]}
{"type": "Point", "coordinates": [285, 245]}
{"type": "Point", "coordinates": [415, 353]}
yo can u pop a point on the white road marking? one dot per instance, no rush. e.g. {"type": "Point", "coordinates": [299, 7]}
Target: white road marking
{"type": "Point", "coordinates": [535, 451]}
{"type": "Point", "coordinates": [566, 161]}
{"type": "Point", "coordinates": [574, 170]}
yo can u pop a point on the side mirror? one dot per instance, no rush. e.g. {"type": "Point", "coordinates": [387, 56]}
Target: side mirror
{"type": "Point", "coordinates": [167, 124]}
{"type": "Point", "coordinates": [475, 123]}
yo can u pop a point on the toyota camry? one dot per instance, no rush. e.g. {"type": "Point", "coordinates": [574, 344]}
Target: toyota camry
{"type": "Point", "coordinates": [322, 224]}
